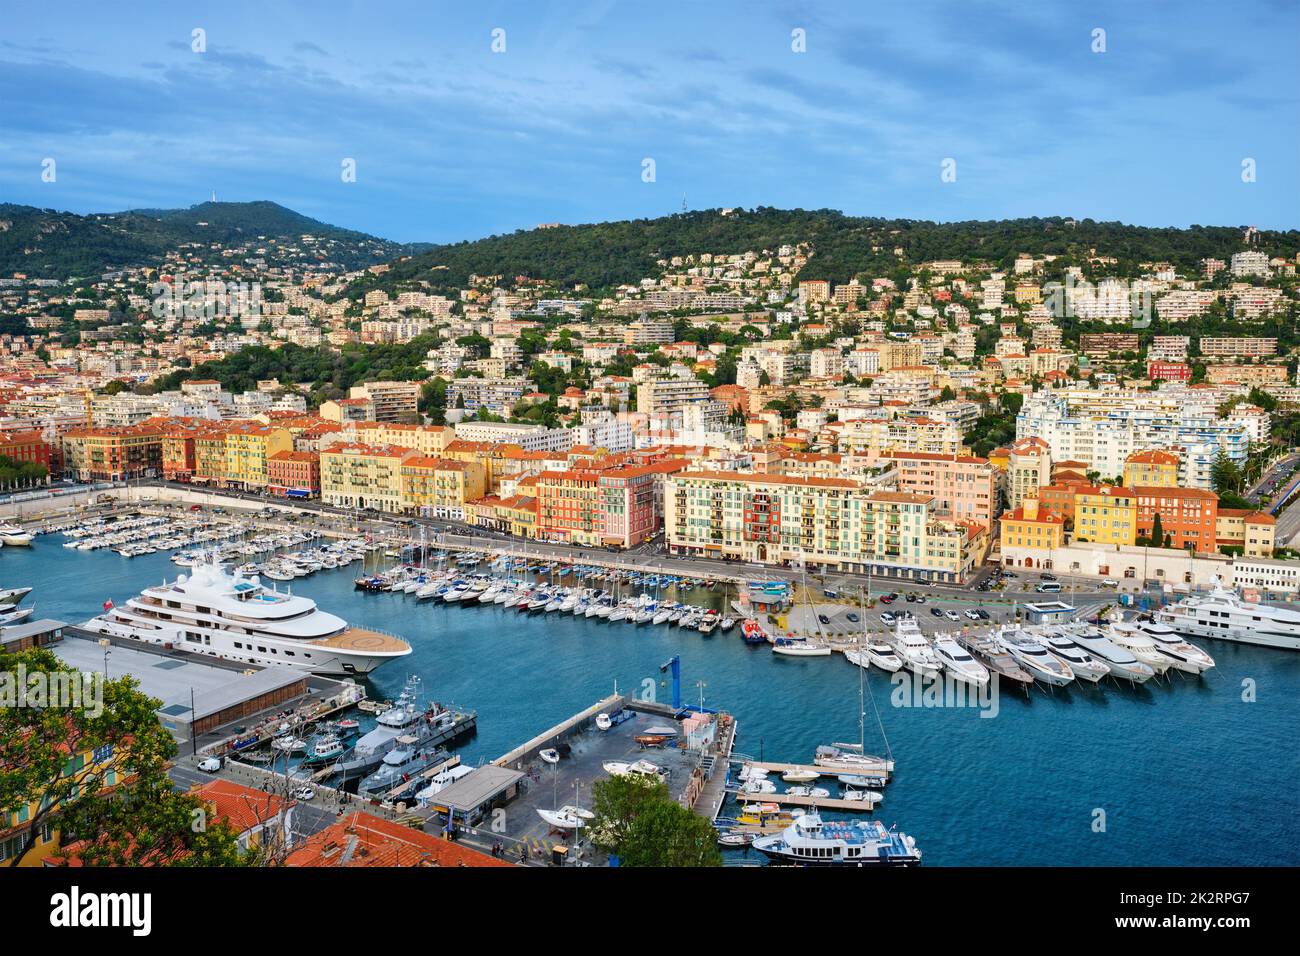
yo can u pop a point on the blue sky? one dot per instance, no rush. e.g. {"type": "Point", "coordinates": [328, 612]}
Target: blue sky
{"type": "Point", "coordinates": [453, 141]}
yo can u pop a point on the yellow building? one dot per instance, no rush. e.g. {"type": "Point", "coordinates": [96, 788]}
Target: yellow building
{"type": "Point", "coordinates": [210, 455]}
{"type": "Point", "coordinates": [1252, 531]}
{"type": "Point", "coordinates": [439, 487]}
{"type": "Point", "coordinates": [1151, 469]}
{"type": "Point", "coordinates": [248, 448]}
{"type": "Point", "coordinates": [96, 766]}
{"type": "Point", "coordinates": [519, 515]}
{"type": "Point", "coordinates": [1030, 526]}
{"type": "Point", "coordinates": [354, 475]}
{"type": "Point", "coordinates": [431, 440]}
{"type": "Point", "coordinates": [1105, 515]}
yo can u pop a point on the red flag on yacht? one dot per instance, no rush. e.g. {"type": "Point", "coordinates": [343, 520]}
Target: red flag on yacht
{"type": "Point", "coordinates": [108, 605]}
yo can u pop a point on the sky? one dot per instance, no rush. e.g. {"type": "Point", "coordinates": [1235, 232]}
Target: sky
{"type": "Point", "coordinates": [465, 120]}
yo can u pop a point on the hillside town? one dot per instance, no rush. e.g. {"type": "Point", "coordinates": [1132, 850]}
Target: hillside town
{"type": "Point", "coordinates": [915, 425]}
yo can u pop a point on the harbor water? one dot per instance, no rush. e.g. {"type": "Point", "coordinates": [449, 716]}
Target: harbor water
{"type": "Point", "coordinates": [1187, 772]}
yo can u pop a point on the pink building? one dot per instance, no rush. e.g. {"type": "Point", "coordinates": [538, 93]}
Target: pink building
{"type": "Point", "coordinates": [963, 487]}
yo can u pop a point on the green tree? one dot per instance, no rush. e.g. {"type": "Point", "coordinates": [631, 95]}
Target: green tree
{"type": "Point", "coordinates": [1225, 475]}
{"type": "Point", "coordinates": [1157, 532]}
{"type": "Point", "coordinates": [637, 819]}
{"type": "Point", "coordinates": [144, 821]}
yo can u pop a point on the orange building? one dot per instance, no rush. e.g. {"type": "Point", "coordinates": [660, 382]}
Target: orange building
{"type": "Point", "coordinates": [1188, 516]}
{"type": "Point", "coordinates": [21, 446]}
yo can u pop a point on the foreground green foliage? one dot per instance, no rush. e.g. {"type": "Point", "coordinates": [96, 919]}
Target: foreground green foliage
{"type": "Point", "coordinates": [642, 825]}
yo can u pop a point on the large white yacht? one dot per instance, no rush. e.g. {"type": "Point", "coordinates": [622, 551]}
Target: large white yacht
{"type": "Point", "coordinates": [1224, 615]}
{"type": "Point", "coordinates": [214, 612]}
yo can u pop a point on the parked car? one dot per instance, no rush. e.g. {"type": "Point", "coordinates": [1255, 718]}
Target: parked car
{"type": "Point", "coordinates": [210, 764]}
{"type": "Point", "coordinates": [1110, 583]}
{"type": "Point", "coordinates": [951, 615]}
{"type": "Point", "coordinates": [823, 618]}
{"type": "Point", "coordinates": [982, 614]}
{"type": "Point", "coordinates": [304, 793]}
{"type": "Point", "coordinates": [887, 617]}
{"type": "Point", "coordinates": [886, 599]}
{"type": "Point", "coordinates": [970, 615]}
{"type": "Point", "coordinates": [853, 617]}
{"type": "Point", "coordinates": [1047, 576]}
{"type": "Point", "coordinates": [937, 612]}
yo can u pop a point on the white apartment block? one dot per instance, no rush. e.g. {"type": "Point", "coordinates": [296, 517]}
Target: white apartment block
{"type": "Point", "coordinates": [1249, 264]}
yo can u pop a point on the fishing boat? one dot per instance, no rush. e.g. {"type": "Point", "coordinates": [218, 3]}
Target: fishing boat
{"type": "Point", "coordinates": [603, 722]}
{"type": "Point", "coordinates": [324, 748]}
{"type": "Point", "coordinates": [735, 838]}
{"type": "Point", "coordinates": [549, 755]}
{"type": "Point", "coordinates": [809, 841]}
{"type": "Point", "coordinates": [751, 632]}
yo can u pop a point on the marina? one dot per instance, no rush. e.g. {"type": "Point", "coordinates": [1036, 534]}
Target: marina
{"type": "Point", "coordinates": [949, 759]}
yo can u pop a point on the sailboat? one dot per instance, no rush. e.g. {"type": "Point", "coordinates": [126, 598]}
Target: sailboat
{"type": "Point", "coordinates": [853, 758]}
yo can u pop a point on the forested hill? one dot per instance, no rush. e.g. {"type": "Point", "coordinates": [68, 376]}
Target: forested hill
{"type": "Point", "coordinates": [50, 244]}
{"type": "Point", "coordinates": [609, 253]}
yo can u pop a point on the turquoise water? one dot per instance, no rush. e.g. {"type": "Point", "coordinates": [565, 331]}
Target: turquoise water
{"type": "Point", "coordinates": [1186, 772]}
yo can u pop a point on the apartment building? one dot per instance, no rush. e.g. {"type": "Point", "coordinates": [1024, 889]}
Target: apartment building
{"type": "Point", "coordinates": [113, 454]}
{"type": "Point", "coordinates": [1253, 531]}
{"type": "Point", "coordinates": [1102, 344]}
{"type": "Point", "coordinates": [820, 523]}
{"type": "Point", "coordinates": [497, 395]}
{"type": "Point", "coordinates": [664, 395]}
{"type": "Point", "coordinates": [1249, 263]}
{"type": "Point", "coordinates": [527, 437]}
{"type": "Point", "coordinates": [958, 486]}
{"type": "Point", "coordinates": [363, 476]}
{"type": "Point", "coordinates": [293, 474]}
{"type": "Point", "coordinates": [1102, 429]}
{"type": "Point", "coordinates": [613, 507]}
{"type": "Point", "coordinates": [439, 487]}
{"type": "Point", "coordinates": [248, 449]}
{"type": "Point", "coordinates": [873, 437]}
{"type": "Point", "coordinates": [393, 401]}
{"type": "Point", "coordinates": [649, 332]}
{"type": "Point", "coordinates": [1151, 469]}
{"type": "Point", "coordinates": [1032, 526]}
{"type": "Point", "coordinates": [1029, 468]}
{"type": "Point", "coordinates": [1246, 374]}
{"type": "Point", "coordinates": [1105, 515]}
{"type": "Point", "coordinates": [1188, 516]}
{"type": "Point", "coordinates": [1237, 347]}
